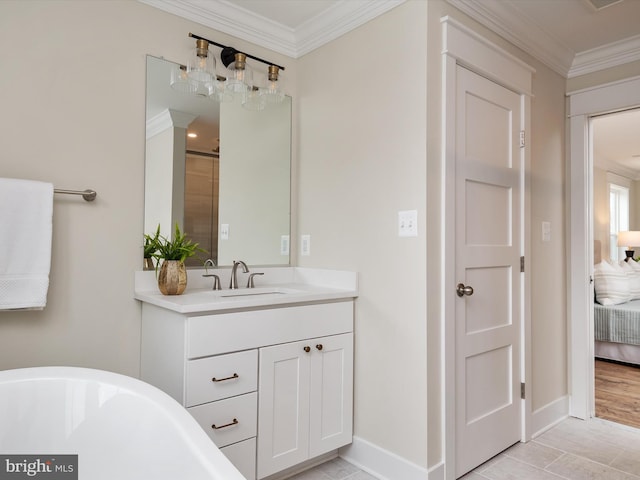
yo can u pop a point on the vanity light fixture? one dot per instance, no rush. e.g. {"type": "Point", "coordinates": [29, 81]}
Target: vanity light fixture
{"type": "Point", "coordinates": [199, 77]}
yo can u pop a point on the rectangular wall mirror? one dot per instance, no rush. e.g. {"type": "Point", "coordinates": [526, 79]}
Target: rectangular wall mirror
{"type": "Point", "coordinates": [220, 171]}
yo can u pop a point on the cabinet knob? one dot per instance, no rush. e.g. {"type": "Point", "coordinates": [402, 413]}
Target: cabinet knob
{"type": "Point", "coordinates": [307, 349]}
{"type": "Point", "coordinates": [319, 346]}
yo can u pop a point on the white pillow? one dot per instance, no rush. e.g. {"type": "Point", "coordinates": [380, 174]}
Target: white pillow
{"type": "Point", "coordinates": [611, 284]}
{"type": "Point", "coordinates": [633, 264]}
{"type": "Point", "coordinates": [633, 276]}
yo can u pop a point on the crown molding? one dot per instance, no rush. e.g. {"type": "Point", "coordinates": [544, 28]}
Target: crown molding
{"type": "Point", "coordinates": [501, 18]}
{"type": "Point", "coordinates": [606, 56]}
{"type": "Point", "coordinates": [231, 19]}
{"type": "Point", "coordinates": [338, 20]}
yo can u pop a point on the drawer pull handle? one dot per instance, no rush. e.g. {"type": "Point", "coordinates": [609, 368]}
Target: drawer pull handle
{"type": "Point", "coordinates": [235, 375]}
{"type": "Point", "coordinates": [319, 346]}
{"type": "Point", "coordinates": [307, 349]}
{"type": "Point", "coordinates": [233, 422]}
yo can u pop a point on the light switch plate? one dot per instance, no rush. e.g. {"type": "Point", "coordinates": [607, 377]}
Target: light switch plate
{"type": "Point", "coordinates": [408, 223]}
{"type": "Point", "coordinates": [224, 231]}
{"type": "Point", "coordinates": [305, 245]}
{"type": "Point", "coordinates": [546, 231]}
{"type": "Point", "coordinates": [284, 245]}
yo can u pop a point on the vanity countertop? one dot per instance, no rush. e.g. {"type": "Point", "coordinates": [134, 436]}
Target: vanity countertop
{"type": "Point", "coordinates": [285, 286]}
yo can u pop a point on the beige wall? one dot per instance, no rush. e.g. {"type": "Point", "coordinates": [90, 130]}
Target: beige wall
{"type": "Point", "coordinates": [601, 77]}
{"type": "Point", "coordinates": [362, 159]}
{"type": "Point", "coordinates": [73, 113]}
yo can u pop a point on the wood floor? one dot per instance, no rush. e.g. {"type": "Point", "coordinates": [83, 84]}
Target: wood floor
{"type": "Point", "coordinates": [618, 393]}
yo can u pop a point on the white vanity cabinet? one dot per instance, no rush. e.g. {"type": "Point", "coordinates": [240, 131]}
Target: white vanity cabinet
{"type": "Point", "coordinates": [305, 406]}
{"type": "Point", "coordinates": [237, 371]}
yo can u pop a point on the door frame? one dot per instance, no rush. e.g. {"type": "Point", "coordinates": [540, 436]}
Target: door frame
{"type": "Point", "coordinates": [582, 105]}
{"type": "Point", "coordinates": [462, 46]}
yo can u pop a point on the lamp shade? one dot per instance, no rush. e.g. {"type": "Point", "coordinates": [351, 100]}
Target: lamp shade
{"type": "Point", "coordinates": [629, 238]}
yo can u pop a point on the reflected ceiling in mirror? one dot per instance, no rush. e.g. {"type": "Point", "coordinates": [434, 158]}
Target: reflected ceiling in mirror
{"type": "Point", "coordinates": [228, 187]}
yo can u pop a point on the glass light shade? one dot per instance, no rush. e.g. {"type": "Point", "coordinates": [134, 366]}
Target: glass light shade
{"type": "Point", "coordinates": [219, 93]}
{"type": "Point", "coordinates": [239, 75]}
{"type": "Point", "coordinates": [273, 94]}
{"type": "Point", "coordinates": [201, 66]}
{"type": "Point", "coordinates": [204, 89]}
{"type": "Point", "coordinates": [180, 81]}
{"type": "Point", "coordinates": [254, 100]}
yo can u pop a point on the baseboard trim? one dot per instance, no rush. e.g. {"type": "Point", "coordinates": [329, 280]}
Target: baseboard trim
{"type": "Point", "coordinates": [381, 463]}
{"type": "Point", "coordinates": [549, 416]}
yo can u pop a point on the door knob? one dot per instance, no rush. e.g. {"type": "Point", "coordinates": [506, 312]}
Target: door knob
{"type": "Point", "coordinates": [463, 290]}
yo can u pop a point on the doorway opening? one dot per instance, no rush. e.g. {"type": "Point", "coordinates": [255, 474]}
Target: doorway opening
{"type": "Point", "coordinates": [616, 215]}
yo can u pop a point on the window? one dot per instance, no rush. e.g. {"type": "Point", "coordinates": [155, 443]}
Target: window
{"type": "Point", "coordinates": [618, 219]}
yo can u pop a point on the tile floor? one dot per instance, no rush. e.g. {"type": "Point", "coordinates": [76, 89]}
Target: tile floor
{"type": "Point", "coordinates": [572, 450]}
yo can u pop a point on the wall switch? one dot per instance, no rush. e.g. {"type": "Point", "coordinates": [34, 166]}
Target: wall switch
{"type": "Point", "coordinates": [546, 231]}
{"type": "Point", "coordinates": [408, 223]}
{"type": "Point", "coordinates": [305, 245]}
{"type": "Point", "coordinates": [224, 231]}
{"type": "Point", "coordinates": [284, 245]}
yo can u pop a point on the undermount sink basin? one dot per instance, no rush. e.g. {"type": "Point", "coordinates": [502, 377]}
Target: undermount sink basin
{"type": "Point", "coordinates": [241, 293]}
{"type": "Point", "coordinates": [245, 292]}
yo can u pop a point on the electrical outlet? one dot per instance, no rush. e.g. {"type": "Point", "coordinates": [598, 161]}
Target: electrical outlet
{"type": "Point", "coordinates": [305, 245]}
{"type": "Point", "coordinates": [408, 223]}
{"type": "Point", "coordinates": [284, 245]}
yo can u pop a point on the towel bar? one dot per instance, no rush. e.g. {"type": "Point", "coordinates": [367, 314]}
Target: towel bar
{"type": "Point", "coordinates": [88, 195]}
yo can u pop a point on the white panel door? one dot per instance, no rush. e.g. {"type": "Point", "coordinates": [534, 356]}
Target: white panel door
{"type": "Point", "coordinates": [331, 399]}
{"type": "Point", "coordinates": [488, 249]}
{"type": "Point", "coordinates": [283, 406]}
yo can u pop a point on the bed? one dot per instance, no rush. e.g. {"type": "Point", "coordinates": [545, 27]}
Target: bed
{"type": "Point", "coordinates": [616, 316]}
{"type": "Point", "coordinates": [617, 332]}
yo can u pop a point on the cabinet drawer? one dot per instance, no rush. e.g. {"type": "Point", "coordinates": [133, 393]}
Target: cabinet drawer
{"type": "Point", "coordinates": [243, 457]}
{"type": "Point", "coordinates": [235, 418]}
{"type": "Point", "coordinates": [231, 332]}
{"type": "Point", "coordinates": [234, 374]}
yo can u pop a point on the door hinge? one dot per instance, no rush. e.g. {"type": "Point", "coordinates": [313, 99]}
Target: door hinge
{"type": "Point", "coordinates": [522, 139]}
{"type": "Point", "coordinates": [522, 396]}
{"type": "Point", "coordinates": [521, 264]}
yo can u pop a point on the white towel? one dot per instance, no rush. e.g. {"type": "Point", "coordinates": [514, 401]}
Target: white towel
{"type": "Point", "coordinates": [26, 212]}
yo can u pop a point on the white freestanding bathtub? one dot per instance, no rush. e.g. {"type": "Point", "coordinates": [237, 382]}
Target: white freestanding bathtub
{"type": "Point", "coordinates": [121, 428]}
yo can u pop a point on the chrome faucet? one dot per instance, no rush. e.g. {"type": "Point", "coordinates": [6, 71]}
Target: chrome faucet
{"type": "Point", "coordinates": [234, 278]}
{"type": "Point", "coordinates": [216, 278]}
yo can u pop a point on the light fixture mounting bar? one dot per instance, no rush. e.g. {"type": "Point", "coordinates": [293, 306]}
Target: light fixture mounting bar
{"type": "Point", "coordinates": [266, 62]}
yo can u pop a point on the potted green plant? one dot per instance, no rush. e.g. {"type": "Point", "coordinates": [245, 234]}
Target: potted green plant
{"type": "Point", "coordinates": [150, 247]}
{"type": "Point", "coordinates": [172, 276]}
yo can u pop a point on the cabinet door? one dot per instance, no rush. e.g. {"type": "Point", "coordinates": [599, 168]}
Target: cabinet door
{"type": "Point", "coordinates": [331, 394]}
{"type": "Point", "coordinates": [283, 406]}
